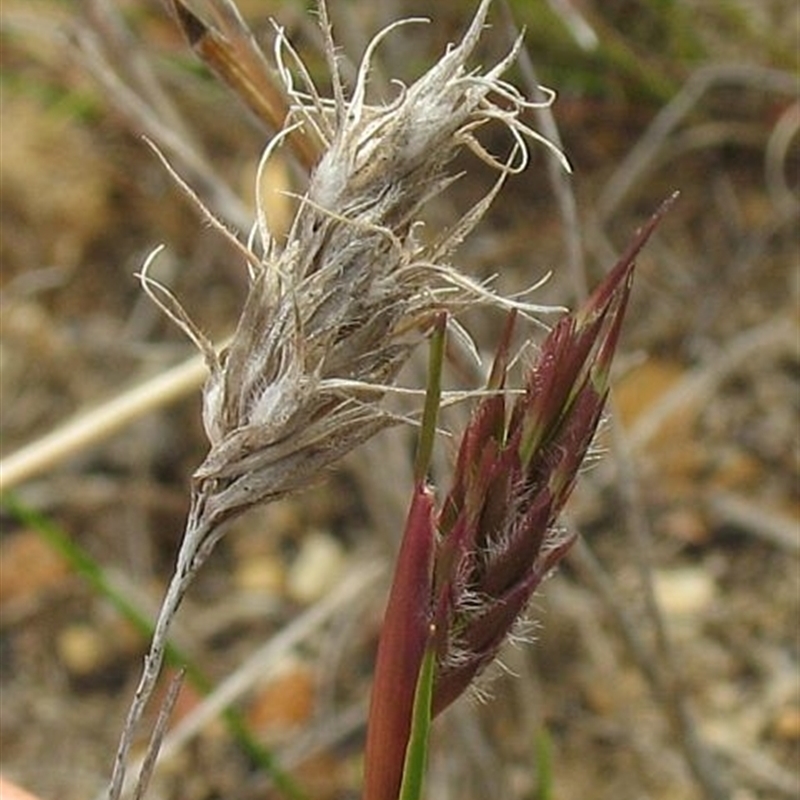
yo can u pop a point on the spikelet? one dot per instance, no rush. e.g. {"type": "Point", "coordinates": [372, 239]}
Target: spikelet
{"type": "Point", "coordinates": [333, 315]}
{"type": "Point", "coordinates": [467, 570]}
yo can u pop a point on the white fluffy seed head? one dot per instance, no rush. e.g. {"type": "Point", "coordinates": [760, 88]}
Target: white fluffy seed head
{"type": "Point", "coordinates": [353, 290]}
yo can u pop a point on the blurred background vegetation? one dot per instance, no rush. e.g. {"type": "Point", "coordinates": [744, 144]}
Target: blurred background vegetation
{"type": "Point", "coordinates": [694, 507]}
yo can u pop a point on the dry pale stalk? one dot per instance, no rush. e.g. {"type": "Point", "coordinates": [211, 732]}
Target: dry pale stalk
{"type": "Point", "coordinates": [334, 313]}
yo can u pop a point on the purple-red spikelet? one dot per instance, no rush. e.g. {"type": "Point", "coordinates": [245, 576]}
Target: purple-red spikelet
{"type": "Point", "coordinates": [464, 575]}
{"type": "Point", "coordinates": [514, 473]}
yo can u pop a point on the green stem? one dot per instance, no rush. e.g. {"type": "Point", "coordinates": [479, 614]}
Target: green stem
{"type": "Point", "coordinates": [417, 750]}
{"type": "Point", "coordinates": [433, 397]}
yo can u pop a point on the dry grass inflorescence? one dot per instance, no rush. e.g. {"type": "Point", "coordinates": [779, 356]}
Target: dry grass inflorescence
{"type": "Point", "coordinates": [666, 665]}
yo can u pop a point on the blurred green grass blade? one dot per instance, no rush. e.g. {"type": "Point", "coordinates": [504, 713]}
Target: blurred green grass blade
{"type": "Point", "coordinates": [543, 748]}
{"type": "Point", "coordinates": [417, 750]}
{"type": "Point", "coordinates": [92, 572]}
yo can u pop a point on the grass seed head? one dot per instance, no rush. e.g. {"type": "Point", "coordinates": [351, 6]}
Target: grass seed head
{"type": "Point", "coordinates": [334, 313]}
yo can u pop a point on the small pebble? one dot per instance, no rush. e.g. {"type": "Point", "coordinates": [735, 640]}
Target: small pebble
{"type": "Point", "coordinates": [786, 725]}
{"type": "Point", "coordinates": [264, 573]}
{"type": "Point", "coordinates": [685, 525]}
{"type": "Point", "coordinates": [317, 568]}
{"type": "Point", "coordinates": [286, 701]}
{"type": "Point", "coordinates": [28, 566]}
{"type": "Point", "coordinates": [82, 650]}
{"type": "Point", "coordinates": [684, 592]}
